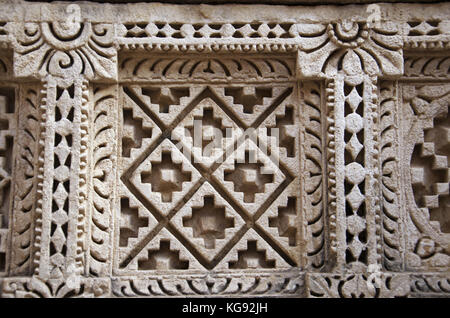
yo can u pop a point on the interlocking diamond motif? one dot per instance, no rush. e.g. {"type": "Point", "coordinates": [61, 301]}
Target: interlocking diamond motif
{"type": "Point", "coordinates": [206, 180]}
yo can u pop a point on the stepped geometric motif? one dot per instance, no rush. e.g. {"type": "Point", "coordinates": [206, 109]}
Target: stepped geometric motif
{"type": "Point", "coordinates": [154, 150]}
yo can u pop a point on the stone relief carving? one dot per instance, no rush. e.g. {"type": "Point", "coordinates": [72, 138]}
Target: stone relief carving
{"type": "Point", "coordinates": [7, 137]}
{"type": "Point", "coordinates": [390, 175]}
{"type": "Point", "coordinates": [155, 156]}
{"type": "Point", "coordinates": [327, 48]}
{"type": "Point", "coordinates": [427, 193]}
{"type": "Point", "coordinates": [102, 171]}
{"type": "Point", "coordinates": [26, 182]}
{"type": "Point", "coordinates": [63, 49]}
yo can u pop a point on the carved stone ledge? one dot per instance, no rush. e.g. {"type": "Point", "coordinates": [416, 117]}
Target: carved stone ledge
{"type": "Point", "coordinates": [324, 49]}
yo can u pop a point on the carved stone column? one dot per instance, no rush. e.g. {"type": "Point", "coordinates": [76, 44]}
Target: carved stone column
{"type": "Point", "coordinates": [352, 57]}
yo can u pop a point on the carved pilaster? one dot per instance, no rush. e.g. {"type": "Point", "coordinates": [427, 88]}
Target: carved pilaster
{"type": "Point", "coordinates": [352, 55]}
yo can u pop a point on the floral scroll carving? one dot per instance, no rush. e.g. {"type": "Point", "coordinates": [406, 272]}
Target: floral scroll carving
{"type": "Point", "coordinates": [426, 108]}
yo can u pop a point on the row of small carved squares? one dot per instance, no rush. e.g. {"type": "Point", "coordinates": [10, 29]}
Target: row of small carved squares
{"type": "Point", "coordinates": [316, 42]}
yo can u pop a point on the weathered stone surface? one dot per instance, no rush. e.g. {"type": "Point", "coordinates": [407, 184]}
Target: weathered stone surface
{"type": "Point", "coordinates": [154, 150]}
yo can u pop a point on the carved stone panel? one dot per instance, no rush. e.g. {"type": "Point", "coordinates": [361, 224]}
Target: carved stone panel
{"type": "Point", "coordinates": [154, 150]}
{"type": "Point", "coordinates": [206, 182]}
